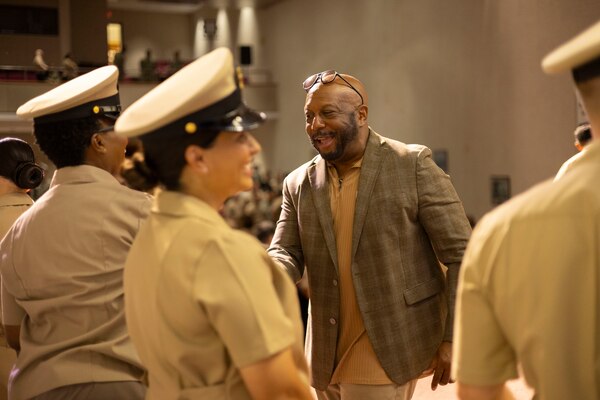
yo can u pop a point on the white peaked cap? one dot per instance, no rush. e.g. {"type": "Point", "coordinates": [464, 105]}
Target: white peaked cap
{"type": "Point", "coordinates": [580, 50]}
{"type": "Point", "coordinates": [202, 94]}
{"type": "Point", "coordinates": [94, 93]}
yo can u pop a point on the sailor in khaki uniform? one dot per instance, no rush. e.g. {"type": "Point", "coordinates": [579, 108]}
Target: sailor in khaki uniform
{"type": "Point", "coordinates": [210, 314]}
{"type": "Point", "coordinates": [19, 173]}
{"type": "Point", "coordinates": [530, 281]}
{"type": "Point", "coordinates": [62, 261]}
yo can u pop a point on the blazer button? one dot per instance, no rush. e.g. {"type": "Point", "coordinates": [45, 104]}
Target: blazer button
{"type": "Point", "coordinates": [332, 321]}
{"type": "Point", "coordinates": [335, 282]}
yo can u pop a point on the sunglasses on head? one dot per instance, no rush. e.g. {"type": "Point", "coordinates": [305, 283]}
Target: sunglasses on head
{"type": "Point", "coordinates": [327, 77]}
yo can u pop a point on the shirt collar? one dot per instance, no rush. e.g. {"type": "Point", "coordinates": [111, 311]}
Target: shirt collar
{"type": "Point", "coordinates": [182, 205]}
{"type": "Point", "coordinates": [82, 174]}
{"type": "Point", "coordinates": [357, 164]}
{"type": "Point", "coordinates": [15, 199]}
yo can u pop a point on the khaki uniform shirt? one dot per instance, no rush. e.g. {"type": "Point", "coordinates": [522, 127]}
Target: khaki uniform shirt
{"type": "Point", "coordinates": [530, 287]}
{"type": "Point", "coordinates": [12, 205]}
{"type": "Point", "coordinates": [62, 266]}
{"type": "Point", "coordinates": [567, 165]}
{"type": "Point", "coordinates": [204, 300]}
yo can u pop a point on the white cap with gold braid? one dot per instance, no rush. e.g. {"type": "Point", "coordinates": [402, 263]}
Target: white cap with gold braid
{"type": "Point", "coordinates": [578, 51]}
{"type": "Point", "coordinates": [94, 93]}
{"type": "Point", "coordinates": [202, 95]}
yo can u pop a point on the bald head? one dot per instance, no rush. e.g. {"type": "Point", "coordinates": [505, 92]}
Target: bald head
{"type": "Point", "coordinates": [357, 86]}
{"type": "Point", "coordinates": [333, 78]}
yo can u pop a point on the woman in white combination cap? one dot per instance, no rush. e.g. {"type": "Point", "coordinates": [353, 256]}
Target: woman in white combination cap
{"type": "Point", "coordinates": [210, 314]}
{"type": "Point", "coordinates": [62, 261]}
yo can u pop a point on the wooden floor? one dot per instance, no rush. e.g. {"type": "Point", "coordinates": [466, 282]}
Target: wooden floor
{"type": "Point", "coordinates": [448, 392]}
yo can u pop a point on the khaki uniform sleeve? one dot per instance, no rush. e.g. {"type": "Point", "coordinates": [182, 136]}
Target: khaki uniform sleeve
{"type": "Point", "coordinates": [234, 285]}
{"type": "Point", "coordinates": [12, 313]}
{"type": "Point", "coordinates": [482, 353]}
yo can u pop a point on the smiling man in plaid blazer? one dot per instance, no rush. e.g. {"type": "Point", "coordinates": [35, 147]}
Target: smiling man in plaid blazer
{"type": "Point", "coordinates": [372, 219]}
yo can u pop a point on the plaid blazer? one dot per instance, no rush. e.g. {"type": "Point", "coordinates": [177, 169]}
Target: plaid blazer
{"type": "Point", "coordinates": [408, 220]}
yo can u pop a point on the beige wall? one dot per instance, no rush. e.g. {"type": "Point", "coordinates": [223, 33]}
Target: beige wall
{"type": "Point", "coordinates": [20, 49]}
{"type": "Point", "coordinates": [82, 31]}
{"type": "Point", "coordinates": [463, 76]}
{"type": "Point", "coordinates": [88, 31]}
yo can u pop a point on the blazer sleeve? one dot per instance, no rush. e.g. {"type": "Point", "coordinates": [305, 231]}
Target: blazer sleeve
{"type": "Point", "coordinates": [442, 216]}
{"type": "Point", "coordinates": [286, 246]}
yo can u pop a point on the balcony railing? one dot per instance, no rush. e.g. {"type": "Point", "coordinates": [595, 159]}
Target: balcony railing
{"type": "Point", "coordinates": [30, 73]}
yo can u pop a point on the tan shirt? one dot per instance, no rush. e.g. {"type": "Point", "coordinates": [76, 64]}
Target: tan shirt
{"type": "Point", "coordinates": [355, 358]}
{"type": "Point", "coordinates": [567, 165]}
{"type": "Point", "coordinates": [62, 266]}
{"type": "Point", "coordinates": [12, 205]}
{"type": "Point", "coordinates": [529, 290]}
{"type": "Point", "coordinates": [204, 300]}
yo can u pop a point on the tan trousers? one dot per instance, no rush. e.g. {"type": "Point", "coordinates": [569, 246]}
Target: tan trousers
{"type": "Point", "coordinates": [97, 391]}
{"type": "Point", "coordinates": [347, 391]}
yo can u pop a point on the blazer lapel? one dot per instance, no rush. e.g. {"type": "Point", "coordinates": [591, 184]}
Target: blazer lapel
{"type": "Point", "coordinates": [369, 171]}
{"type": "Point", "coordinates": [317, 176]}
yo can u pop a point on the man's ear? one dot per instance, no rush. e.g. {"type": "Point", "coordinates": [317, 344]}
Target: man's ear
{"type": "Point", "coordinates": [363, 113]}
{"type": "Point", "coordinates": [97, 143]}
{"type": "Point", "coordinates": [194, 157]}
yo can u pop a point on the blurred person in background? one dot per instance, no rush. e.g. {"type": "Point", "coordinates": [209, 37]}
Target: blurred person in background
{"type": "Point", "coordinates": [583, 136]}
{"type": "Point", "coordinates": [19, 173]}
{"type": "Point", "coordinates": [43, 70]}
{"type": "Point", "coordinates": [70, 69]}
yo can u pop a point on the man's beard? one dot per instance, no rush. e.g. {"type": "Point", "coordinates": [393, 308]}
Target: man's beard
{"type": "Point", "coordinates": [343, 137]}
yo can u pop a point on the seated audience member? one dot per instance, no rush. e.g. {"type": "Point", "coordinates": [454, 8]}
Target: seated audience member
{"type": "Point", "coordinates": [176, 63]}
{"type": "Point", "coordinates": [19, 173]}
{"type": "Point", "coordinates": [264, 231]}
{"type": "Point", "coordinates": [70, 68]}
{"type": "Point", "coordinates": [530, 280]}
{"type": "Point", "coordinates": [119, 62]}
{"type": "Point", "coordinates": [583, 136]}
{"type": "Point", "coordinates": [62, 261]}
{"type": "Point", "coordinates": [147, 67]}
{"type": "Point", "coordinates": [43, 68]}
{"type": "Point", "coordinates": [210, 314]}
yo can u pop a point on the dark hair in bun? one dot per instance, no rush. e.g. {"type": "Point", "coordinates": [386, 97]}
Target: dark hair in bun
{"type": "Point", "coordinates": [17, 163]}
{"type": "Point", "coordinates": [137, 175]}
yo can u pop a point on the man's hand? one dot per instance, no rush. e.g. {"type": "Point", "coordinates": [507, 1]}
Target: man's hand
{"type": "Point", "coordinates": [440, 366]}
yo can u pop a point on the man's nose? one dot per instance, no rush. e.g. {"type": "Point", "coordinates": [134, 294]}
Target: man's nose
{"type": "Point", "coordinates": [316, 123]}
